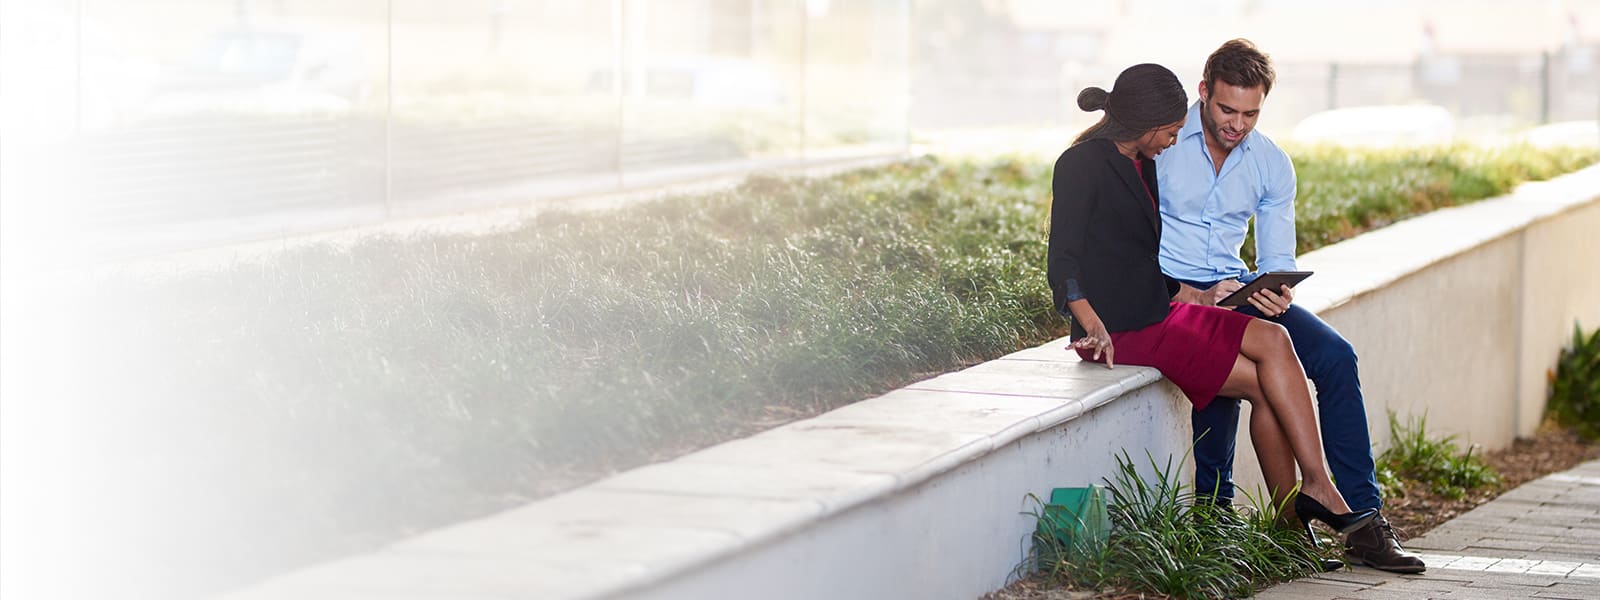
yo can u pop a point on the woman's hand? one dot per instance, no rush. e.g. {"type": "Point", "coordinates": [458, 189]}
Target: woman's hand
{"type": "Point", "coordinates": [1096, 337]}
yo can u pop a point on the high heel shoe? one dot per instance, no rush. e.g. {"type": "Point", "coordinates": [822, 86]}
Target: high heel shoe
{"type": "Point", "coordinates": [1307, 508]}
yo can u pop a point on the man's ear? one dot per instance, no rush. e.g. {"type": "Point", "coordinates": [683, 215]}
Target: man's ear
{"type": "Point", "coordinates": [1205, 92]}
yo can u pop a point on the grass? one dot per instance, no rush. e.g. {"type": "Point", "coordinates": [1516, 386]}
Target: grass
{"type": "Point", "coordinates": [345, 396]}
{"type": "Point", "coordinates": [1343, 193]}
{"type": "Point", "coordinates": [1163, 542]}
{"type": "Point", "coordinates": [1415, 458]}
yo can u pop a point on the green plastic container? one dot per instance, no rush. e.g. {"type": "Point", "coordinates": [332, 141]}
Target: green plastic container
{"type": "Point", "coordinates": [1073, 523]}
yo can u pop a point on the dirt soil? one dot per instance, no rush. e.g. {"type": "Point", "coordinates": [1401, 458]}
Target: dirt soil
{"type": "Point", "coordinates": [1551, 451]}
{"type": "Point", "coordinates": [1527, 459]}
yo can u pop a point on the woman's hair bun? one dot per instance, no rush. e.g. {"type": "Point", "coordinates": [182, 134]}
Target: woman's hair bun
{"type": "Point", "coordinates": [1092, 98]}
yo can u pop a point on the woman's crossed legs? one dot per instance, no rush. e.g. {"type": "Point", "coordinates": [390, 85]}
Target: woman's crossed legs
{"type": "Point", "coordinates": [1283, 426]}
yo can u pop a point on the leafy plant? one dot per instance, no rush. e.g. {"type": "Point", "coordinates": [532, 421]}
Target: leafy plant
{"type": "Point", "coordinates": [1416, 457]}
{"type": "Point", "coordinates": [1575, 385]}
{"type": "Point", "coordinates": [1163, 542]}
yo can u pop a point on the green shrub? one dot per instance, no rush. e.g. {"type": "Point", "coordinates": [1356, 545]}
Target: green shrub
{"type": "Point", "coordinates": [1163, 542]}
{"type": "Point", "coordinates": [1575, 385]}
{"type": "Point", "coordinates": [1416, 457]}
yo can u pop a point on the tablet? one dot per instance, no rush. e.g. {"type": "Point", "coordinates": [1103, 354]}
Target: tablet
{"type": "Point", "coordinates": [1267, 281]}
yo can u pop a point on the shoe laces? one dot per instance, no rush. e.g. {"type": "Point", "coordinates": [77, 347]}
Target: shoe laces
{"type": "Point", "coordinates": [1388, 530]}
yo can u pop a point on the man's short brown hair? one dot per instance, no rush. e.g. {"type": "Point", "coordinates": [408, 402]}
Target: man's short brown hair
{"type": "Point", "coordinates": [1238, 62]}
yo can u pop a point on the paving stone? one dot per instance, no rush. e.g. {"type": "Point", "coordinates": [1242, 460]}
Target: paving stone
{"type": "Point", "coordinates": [1570, 558]}
{"type": "Point", "coordinates": [1552, 567]}
{"type": "Point", "coordinates": [1436, 561]}
{"type": "Point", "coordinates": [1383, 594]}
{"type": "Point", "coordinates": [1512, 581]}
{"type": "Point", "coordinates": [1542, 541]}
{"type": "Point", "coordinates": [1506, 544]}
{"type": "Point", "coordinates": [1512, 506]}
{"type": "Point", "coordinates": [1504, 553]}
{"type": "Point", "coordinates": [1473, 563]}
{"type": "Point", "coordinates": [1511, 565]}
{"type": "Point", "coordinates": [1297, 590]}
{"type": "Point", "coordinates": [1532, 532]}
{"type": "Point", "coordinates": [1444, 544]}
{"type": "Point", "coordinates": [1467, 594]}
{"type": "Point", "coordinates": [1554, 513]}
{"type": "Point", "coordinates": [1428, 583]}
{"type": "Point", "coordinates": [1591, 549]}
{"type": "Point", "coordinates": [1569, 591]}
{"type": "Point", "coordinates": [1323, 579]}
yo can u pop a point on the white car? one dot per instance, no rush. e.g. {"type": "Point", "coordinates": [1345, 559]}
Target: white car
{"type": "Point", "coordinates": [1403, 125]}
{"type": "Point", "coordinates": [263, 70]}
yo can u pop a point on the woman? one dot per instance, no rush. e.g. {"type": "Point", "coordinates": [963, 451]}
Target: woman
{"type": "Point", "coordinates": [1104, 237]}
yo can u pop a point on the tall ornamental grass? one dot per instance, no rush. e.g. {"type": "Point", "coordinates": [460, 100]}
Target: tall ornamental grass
{"type": "Point", "coordinates": [1163, 542]}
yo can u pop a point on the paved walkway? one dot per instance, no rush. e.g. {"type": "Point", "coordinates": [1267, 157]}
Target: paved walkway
{"type": "Point", "coordinates": [1541, 540]}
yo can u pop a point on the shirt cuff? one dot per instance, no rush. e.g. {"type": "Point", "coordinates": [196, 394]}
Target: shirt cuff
{"type": "Point", "coordinates": [1073, 293]}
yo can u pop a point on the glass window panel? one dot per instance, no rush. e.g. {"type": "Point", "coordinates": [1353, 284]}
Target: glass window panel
{"type": "Point", "coordinates": [500, 101]}
{"type": "Point", "coordinates": [709, 86]}
{"type": "Point", "coordinates": [857, 77]}
{"type": "Point", "coordinates": [38, 120]}
{"type": "Point", "coordinates": [200, 120]}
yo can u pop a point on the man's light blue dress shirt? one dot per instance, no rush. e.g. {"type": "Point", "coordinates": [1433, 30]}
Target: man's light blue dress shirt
{"type": "Point", "coordinates": [1205, 214]}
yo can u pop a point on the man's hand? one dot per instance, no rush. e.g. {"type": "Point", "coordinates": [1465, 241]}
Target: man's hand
{"type": "Point", "coordinates": [1271, 304]}
{"type": "Point", "coordinates": [1208, 296]}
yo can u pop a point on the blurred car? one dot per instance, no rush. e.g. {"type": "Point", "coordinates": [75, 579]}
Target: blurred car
{"type": "Point", "coordinates": [712, 81]}
{"type": "Point", "coordinates": [1402, 125]}
{"type": "Point", "coordinates": [256, 69]}
{"type": "Point", "coordinates": [1568, 133]}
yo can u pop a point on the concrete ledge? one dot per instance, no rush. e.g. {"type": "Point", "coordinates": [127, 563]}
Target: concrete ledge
{"type": "Point", "coordinates": [679, 525]}
{"type": "Point", "coordinates": [922, 492]}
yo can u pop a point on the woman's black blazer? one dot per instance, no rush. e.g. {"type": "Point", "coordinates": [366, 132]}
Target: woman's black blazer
{"type": "Point", "coordinates": [1105, 236]}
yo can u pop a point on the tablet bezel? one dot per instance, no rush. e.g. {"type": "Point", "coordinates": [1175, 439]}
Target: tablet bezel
{"type": "Point", "coordinates": [1241, 297]}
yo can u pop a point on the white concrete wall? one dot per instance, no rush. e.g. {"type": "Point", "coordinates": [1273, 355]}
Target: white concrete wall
{"type": "Point", "coordinates": [916, 493]}
{"type": "Point", "coordinates": [1457, 315]}
{"type": "Point", "coordinates": [919, 493]}
{"type": "Point", "coordinates": [1561, 258]}
{"type": "Point", "coordinates": [955, 536]}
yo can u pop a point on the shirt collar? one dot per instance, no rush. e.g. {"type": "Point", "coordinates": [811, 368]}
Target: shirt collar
{"type": "Point", "coordinates": [1191, 124]}
{"type": "Point", "coordinates": [1193, 127]}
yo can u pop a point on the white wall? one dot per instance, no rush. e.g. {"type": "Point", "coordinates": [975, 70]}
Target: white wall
{"type": "Point", "coordinates": [955, 536]}
{"type": "Point", "coordinates": [1561, 258]}
{"type": "Point", "coordinates": [1457, 315]}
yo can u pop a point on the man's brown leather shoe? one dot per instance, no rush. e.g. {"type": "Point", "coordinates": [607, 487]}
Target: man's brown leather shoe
{"type": "Point", "coordinates": [1376, 546]}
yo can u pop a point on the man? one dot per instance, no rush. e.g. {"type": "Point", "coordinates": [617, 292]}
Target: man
{"type": "Point", "coordinates": [1219, 174]}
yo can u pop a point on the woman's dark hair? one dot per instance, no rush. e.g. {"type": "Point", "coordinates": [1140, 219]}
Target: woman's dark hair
{"type": "Point", "coordinates": [1238, 62]}
{"type": "Point", "coordinates": [1145, 97]}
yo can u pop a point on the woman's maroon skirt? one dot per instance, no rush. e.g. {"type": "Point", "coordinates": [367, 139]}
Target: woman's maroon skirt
{"type": "Point", "coordinates": [1195, 347]}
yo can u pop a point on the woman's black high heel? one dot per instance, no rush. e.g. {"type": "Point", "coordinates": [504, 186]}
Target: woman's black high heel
{"type": "Point", "coordinates": [1307, 508]}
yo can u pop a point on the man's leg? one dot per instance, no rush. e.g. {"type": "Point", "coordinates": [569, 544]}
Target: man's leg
{"type": "Point", "coordinates": [1330, 363]}
{"type": "Point", "coordinates": [1216, 427]}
